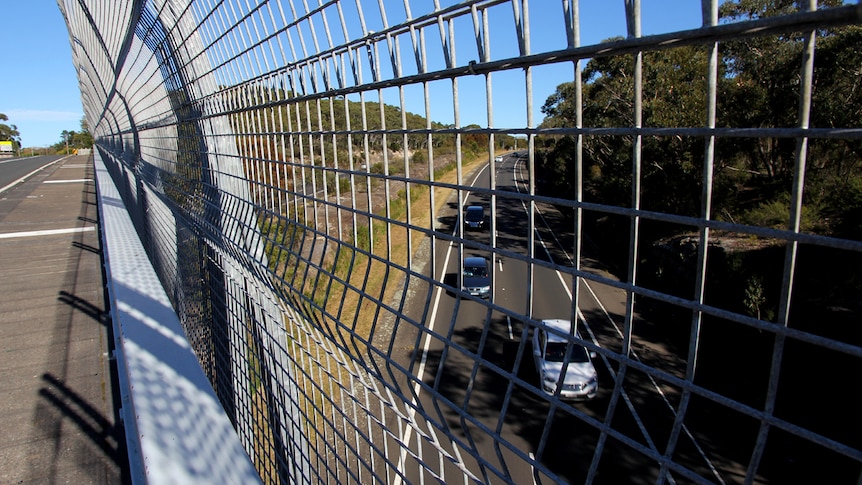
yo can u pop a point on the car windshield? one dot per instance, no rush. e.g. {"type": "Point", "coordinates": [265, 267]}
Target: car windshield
{"type": "Point", "coordinates": [475, 214]}
{"type": "Point", "coordinates": [556, 351]}
{"type": "Point", "coordinates": [475, 271]}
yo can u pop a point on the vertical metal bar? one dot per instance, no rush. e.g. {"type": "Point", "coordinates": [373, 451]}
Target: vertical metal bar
{"type": "Point", "coordinates": [571, 10]}
{"type": "Point", "coordinates": [794, 225]}
{"type": "Point", "coordinates": [633, 9]}
{"type": "Point", "coordinates": [485, 52]}
{"type": "Point", "coordinates": [352, 167]}
{"type": "Point", "coordinates": [408, 198]}
{"type": "Point", "coordinates": [710, 18]}
{"type": "Point", "coordinates": [633, 26]}
{"type": "Point", "coordinates": [432, 188]}
{"type": "Point", "coordinates": [323, 168]}
{"type": "Point", "coordinates": [367, 161]}
{"type": "Point", "coordinates": [459, 173]}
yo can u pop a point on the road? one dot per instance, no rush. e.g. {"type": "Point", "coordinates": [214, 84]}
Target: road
{"type": "Point", "coordinates": [58, 403]}
{"type": "Point", "coordinates": [13, 170]}
{"type": "Point", "coordinates": [476, 347]}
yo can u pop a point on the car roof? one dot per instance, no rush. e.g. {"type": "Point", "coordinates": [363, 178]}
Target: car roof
{"type": "Point", "coordinates": [475, 261]}
{"type": "Point", "coordinates": [474, 208]}
{"type": "Point", "coordinates": [563, 326]}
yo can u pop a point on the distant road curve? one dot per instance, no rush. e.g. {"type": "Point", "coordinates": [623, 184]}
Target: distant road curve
{"type": "Point", "coordinates": [16, 170]}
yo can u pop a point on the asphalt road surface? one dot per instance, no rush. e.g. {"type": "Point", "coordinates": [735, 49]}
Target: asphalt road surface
{"type": "Point", "coordinates": [476, 347]}
{"type": "Point", "coordinates": [13, 170]}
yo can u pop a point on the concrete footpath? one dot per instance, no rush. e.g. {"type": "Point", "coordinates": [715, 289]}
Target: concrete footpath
{"type": "Point", "coordinates": [58, 422]}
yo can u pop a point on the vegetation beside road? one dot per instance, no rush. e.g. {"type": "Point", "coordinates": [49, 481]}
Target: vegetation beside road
{"type": "Point", "coordinates": [70, 141]}
{"type": "Point", "coordinates": [752, 178]}
{"type": "Point", "coordinates": [336, 284]}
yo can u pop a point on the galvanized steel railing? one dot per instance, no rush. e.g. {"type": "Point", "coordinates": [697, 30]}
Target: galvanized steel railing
{"type": "Point", "coordinates": [304, 224]}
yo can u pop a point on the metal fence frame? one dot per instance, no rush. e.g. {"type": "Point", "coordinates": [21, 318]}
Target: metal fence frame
{"type": "Point", "coordinates": [296, 266]}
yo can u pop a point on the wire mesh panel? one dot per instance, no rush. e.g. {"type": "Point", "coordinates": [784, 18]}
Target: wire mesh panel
{"type": "Point", "coordinates": [501, 241]}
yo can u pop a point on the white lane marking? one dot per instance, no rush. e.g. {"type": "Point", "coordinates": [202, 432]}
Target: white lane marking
{"type": "Point", "coordinates": [533, 457]}
{"type": "Point", "coordinates": [634, 354]}
{"type": "Point", "coordinates": [47, 232]}
{"type": "Point", "coordinates": [426, 346]}
{"type": "Point", "coordinates": [67, 181]}
{"type": "Point", "coordinates": [4, 189]}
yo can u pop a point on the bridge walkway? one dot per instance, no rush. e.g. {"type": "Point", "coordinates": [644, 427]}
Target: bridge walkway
{"type": "Point", "coordinates": [57, 393]}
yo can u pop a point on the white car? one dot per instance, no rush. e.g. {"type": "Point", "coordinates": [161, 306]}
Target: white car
{"type": "Point", "coordinates": [550, 356]}
{"type": "Point", "coordinates": [498, 158]}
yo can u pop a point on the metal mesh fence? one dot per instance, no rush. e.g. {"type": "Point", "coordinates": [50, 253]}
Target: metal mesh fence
{"type": "Point", "coordinates": [617, 311]}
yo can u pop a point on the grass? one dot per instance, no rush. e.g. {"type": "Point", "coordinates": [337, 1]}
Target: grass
{"type": "Point", "coordinates": [334, 296]}
{"type": "Point", "coordinates": [378, 279]}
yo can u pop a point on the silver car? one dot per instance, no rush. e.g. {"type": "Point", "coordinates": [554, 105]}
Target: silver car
{"type": "Point", "coordinates": [555, 352]}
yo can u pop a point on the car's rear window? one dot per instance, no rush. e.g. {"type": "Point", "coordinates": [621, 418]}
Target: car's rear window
{"type": "Point", "coordinates": [556, 351]}
{"type": "Point", "coordinates": [475, 214]}
{"type": "Point", "coordinates": [475, 271]}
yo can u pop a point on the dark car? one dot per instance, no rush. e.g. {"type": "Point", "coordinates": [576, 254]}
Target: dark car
{"type": "Point", "coordinates": [474, 217]}
{"type": "Point", "coordinates": [476, 279]}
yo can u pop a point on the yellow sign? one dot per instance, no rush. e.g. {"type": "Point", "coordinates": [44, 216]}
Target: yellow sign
{"type": "Point", "coordinates": [6, 146]}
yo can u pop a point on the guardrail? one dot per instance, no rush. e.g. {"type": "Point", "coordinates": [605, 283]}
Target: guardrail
{"type": "Point", "coordinates": [295, 174]}
{"type": "Point", "coordinates": [176, 430]}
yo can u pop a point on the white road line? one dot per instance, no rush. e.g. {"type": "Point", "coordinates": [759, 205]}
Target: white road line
{"type": "Point", "coordinates": [67, 181]}
{"type": "Point", "coordinates": [620, 333]}
{"type": "Point", "coordinates": [417, 388]}
{"type": "Point", "coordinates": [4, 189]}
{"type": "Point", "coordinates": [47, 232]}
{"type": "Point", "coordinates": [533, 457]}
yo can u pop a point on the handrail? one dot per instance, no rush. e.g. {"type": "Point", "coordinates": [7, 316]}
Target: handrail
{"type": "Point", "coordinates": [176, 429]}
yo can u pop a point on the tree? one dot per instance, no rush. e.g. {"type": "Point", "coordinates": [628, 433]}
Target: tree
{"type": "Point", "coordinates": [763, 91]}
{"type": "Point", "coordinates": [74, 139]}
{"type": "Point", "coordinates": [9, 132]}
{"type": "Point", "coordinates": [674, 95]}
{"type": "Point", "coordinates": [758, 87]}
{"type": "Point", "coordinates": [85, 139]}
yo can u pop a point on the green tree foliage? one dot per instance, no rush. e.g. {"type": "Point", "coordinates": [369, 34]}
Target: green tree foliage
{"type": "Point", "coordinates": [759, 82]}
{"type": "Point", "coordinates": [73, 140]}
{"type": "Point", "coordinates": [9, 132]}
{"type": "Point", "coordinates": [355, 131]}
{"type": "Point", "coordinates": [674, 95]}
{"type": "Point", "coordinates": [86, 139]}
{"type": "Point", "coordinates": [758, 87]}
{"type": "Point", "coordinates": [763, 87]}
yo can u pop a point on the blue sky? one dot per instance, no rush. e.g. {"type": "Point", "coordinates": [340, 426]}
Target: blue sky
{"type": "Point", "coordinates": [38, 85]}
{"type": "Point", "coordinates": [599, 20]}
{"type": "Point", "coordinates": [39, 88]}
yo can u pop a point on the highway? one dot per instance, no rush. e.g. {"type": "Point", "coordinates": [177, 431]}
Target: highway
{"type": "Point", "coordinates": [476, 345]}
{"type": "Point", "coordinates": [13, 170]}
{"type": "Point", "coordinates": [58, 405]}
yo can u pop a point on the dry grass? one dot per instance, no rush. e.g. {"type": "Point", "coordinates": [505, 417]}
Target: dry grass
{"type": "Point", "coordinates": [347, 316]}
{"type": "Point", "coordinates": [378, 282]}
